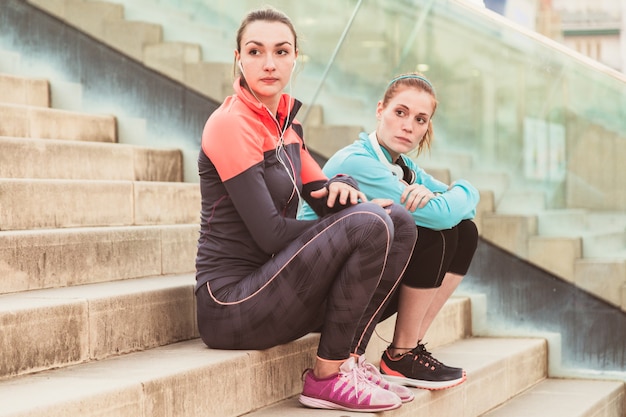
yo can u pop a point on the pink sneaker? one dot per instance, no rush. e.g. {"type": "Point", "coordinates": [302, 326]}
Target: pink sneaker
{"type": "Point", "coordinates": [372, 374]}
{"type": "Point", "coordinates": [347, 390]}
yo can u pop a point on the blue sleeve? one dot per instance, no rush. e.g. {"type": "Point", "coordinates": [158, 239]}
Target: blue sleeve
{"type": "Point", "coordinates": [376, 181]}
{"type": "Point", "coordinates": [306, 212]}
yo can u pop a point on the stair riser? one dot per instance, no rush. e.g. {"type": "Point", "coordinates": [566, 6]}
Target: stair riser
{"type": "Point", "coordinates": [604, 278]}
{"type": "Point", "coordinates": [68, 160]}
{"type": "Point", "coordinates": [171, 58]}
{"type": "Point", "coordinates": [131, 37]}
{"type": "Point", "coordinates": [567, 397]}
{"type": "Point", "coordinates": [509, 232]}
{"type": "Point", "coordinates": [326, 140]}
{"type": "Point", "coordinates": [34, 122]}
{"type": "Point", "coordinates": [32, 204]}
{"type": "Point", "coordinates": [199, 383]}
{"type": "Point", "coordinates": [59, 258]}
{"type": "Point", "coordinates": [60, 329]}
{"type": "Point", "coordinates": [91, 16]}
{"type": "Point", "coordinates": [24, 91]}
{"type": "Point", "coordinates": [249, 380]}
{"type": "Point", "coordinates": [556, 255]}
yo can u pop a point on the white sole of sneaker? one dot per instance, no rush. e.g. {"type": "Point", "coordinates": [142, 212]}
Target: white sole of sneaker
{"type": "Point", "coordinates": [429, 385]}
{"type": "Point", "coordinates": [329, 405]}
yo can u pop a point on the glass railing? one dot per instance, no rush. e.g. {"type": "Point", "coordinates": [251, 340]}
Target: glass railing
{"type": "Point", "coordinates": [516, 102]}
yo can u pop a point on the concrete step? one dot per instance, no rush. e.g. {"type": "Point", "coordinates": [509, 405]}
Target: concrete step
{"type": "Point", "coordinates": [459, 162]}
{"type": "Point", "coordinates": [171, 58]}
{"type": "Point", "coordinates": [603, 234]}
{"type": "Point", "coordinates": [89, 16]}
{"type": "Point", "coordinates": [39, 122]}
{"type": "Point", "coordinates": [498, 182]}
{"type": "Point", "coordinates": [54, 328]}
{"type": "Point", "coordinates": [522, 202]}
{"type": "Point", "coordinates": [218, 86]}
{"type": "Point", "coordinates": [579, 221]}
{"type": "Point", "coordinates": [497, 370]}
{"type": "Point", "coordinates": [328, 139]}
{"type": "Point", "coordinates": [51, 258]}
{"type": "Point", "coordinates": [61, 159]}
{"type": "Point", "coordinates": [510, 232]}
{"type": "Point", "coordinates": [178, 25]}
{"type": "Point", "coordinates": [35, 91]}
{"type": "Point", "coordinates": [24, 91]}
{"type": "Point", "coordinates": [141, 40]}
{"type": "Point", "coordinates": [556, 254]}
{"type": "Point", "coordinates": [80, 203]}
{"type": "Point", "coordinates": [181, 379]}
{"type": "Point", "coordinates": [131, 38]}
{"type": "Point", "coordinates": [173, 379]}
{"type": "Point", "coordinates": [566, 398]}
{"type": "Point", "coordinates": [605, 278]}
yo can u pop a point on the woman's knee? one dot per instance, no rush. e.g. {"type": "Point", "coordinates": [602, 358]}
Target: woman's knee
{"type": "Point", "coordinates": [468, 235]}
{"type": "Point", "coordinates": [401, 217]}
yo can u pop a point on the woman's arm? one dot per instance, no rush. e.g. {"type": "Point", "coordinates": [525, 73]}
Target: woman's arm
{"type": "Point", "coordinates": [443, 211]}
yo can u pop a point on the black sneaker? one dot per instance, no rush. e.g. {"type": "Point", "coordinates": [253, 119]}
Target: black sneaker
{"type": "Point", "coordinates": [421, 347]}
{"type": "Point", "coordinates": [417, 368]}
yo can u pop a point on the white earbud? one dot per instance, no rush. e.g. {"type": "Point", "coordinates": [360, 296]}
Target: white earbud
{"type": "Point", "coordinates": [240, 66]}
{"type": "Point", "coordinates": [294, 65]}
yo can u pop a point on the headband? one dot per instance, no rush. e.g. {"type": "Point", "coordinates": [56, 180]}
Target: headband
{"type": "Point", "coordinates": [413, 76]}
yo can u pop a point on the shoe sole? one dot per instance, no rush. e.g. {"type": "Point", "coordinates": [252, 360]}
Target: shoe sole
{"type": "Point", "coordinates": [329, 405]}
{"type": "Point", "coordinates": [407, 399]}
{"type": "Point", "coordinates": [429, 385]}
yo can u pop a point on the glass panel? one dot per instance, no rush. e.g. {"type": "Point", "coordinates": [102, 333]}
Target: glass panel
{"type": "Point", "coordinates": [513, 100]}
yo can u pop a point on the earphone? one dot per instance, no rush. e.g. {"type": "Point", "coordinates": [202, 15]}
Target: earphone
{"type": "Point", "coordinates": [281, 133]}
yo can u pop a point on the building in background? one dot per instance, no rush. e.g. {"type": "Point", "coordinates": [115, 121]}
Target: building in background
{"type": "Point", "coordinates": [595, 28]}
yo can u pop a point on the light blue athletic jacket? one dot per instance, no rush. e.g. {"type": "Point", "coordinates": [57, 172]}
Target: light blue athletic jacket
{"type": "Point", "coordinates": [375, 179]}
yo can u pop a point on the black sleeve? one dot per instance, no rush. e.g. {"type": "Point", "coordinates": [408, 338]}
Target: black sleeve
{"type": "Point", "coordinates": [319, 205]}
{"type": "Point", "coordinates": [251, 198]}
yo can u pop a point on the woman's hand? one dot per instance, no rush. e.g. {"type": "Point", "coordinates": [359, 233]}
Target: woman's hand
{"type": "Point", "coordinates": [384, 203]}
{"type": "Point", "coordinates": [416, 196]}
{"type": "Point", "coordinates": [341, 192]}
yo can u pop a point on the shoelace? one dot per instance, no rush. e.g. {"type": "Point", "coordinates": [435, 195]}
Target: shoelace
{"type": "Point", "coordinates": [372, 374]}
{"type": "Point", "coordinates": [420, 354]}
{"type": "Point", "coordinates": [421, 349]}
{"type": "Point", "coordinates": [357, 374]}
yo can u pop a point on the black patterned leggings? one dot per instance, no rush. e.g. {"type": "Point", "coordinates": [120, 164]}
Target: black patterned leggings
{"type": "Point", "coordinates": [336, 278]}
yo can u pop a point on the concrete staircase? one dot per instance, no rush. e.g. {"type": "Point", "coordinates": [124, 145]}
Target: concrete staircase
{"type": "Point", "coordinates": [97, 308]}
{"type": "Point", "coordinates": [97, 315]}
{"type": "Point", "coordinates": [171, 42]}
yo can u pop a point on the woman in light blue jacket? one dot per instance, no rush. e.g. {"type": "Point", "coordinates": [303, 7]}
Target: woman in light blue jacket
{"type": "Point", "coordinates": [447, 237]}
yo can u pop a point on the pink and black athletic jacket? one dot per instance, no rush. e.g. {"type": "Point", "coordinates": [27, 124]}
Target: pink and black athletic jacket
{"type": "Point", "coordinates": [249, 203]}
